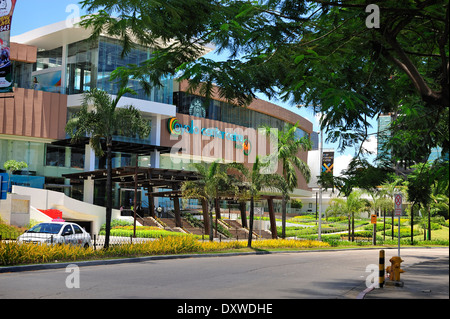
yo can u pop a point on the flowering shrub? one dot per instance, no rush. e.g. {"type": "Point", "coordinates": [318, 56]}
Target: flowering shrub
{"type": "Point", "coordinates": [14, 253]}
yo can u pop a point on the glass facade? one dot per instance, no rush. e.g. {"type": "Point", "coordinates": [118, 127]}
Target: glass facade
{"type": "Point", "coordinates": [90, 64]}
{"type": "Point", "coordinates": [86, 65]}
{"type": "Point", "coordinates": [81, 68]}
{"type": "Point", "coordinates": [41, 158]}
{"type": "Point", "coordinates": [44, 160]}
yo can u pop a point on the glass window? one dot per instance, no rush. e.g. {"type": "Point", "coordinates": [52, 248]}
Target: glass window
{"type": "Point", "coordinates": [109, 59]}
{"type": "Point", "coordinates": [67, 230]}
{"type": "Point", "coordinates": [55, 156]}
{"type": "Point", "coordinates": [77, 158]}
{"type": "Point", "coordinates": [47, 228]}
{"type": "Point", "coordinates": [47, 59]}
{"type": "Point", "coordinates": [22, 74]}
{"type": "Point", "coordinates": [81, 66]}
{"type": "Point", "coordinates": [77, 229]}
{"type": "Point", "coordinates": [300, 133]}
{"type": "Point", "coordinates": [228, 113]}
{"type": "Point", "coordinates": [30, 152]}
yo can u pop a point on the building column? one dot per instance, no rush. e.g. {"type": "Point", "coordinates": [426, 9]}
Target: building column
{"type": "Point", "coordinates": [89, 165]}
{"type": "Point", "coordinates": [155, 134]}
{"type": "Point", "coordinates": [154, 159]}
{"type": "Point", "coordinates": [155, 138]}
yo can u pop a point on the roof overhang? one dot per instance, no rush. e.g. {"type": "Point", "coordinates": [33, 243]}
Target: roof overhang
{"type": "Point", "coordinates": [149, 107]}
{"type": "Point", "coordinates": [118, 146]}
{"type": "Point", "coordinates": [53, 36]}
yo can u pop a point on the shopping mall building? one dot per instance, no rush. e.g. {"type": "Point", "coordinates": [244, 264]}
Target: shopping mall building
{"type": "Point", "coordinates": [54, 65]}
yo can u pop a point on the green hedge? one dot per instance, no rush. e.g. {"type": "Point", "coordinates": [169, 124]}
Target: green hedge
{"type": "Point", "coordinates": [404, 232]}
{"type": "Point", "coordinates": [146, 233]}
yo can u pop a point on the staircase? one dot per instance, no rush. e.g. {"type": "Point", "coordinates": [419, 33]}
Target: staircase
{"type": "Point", "coordinates": [233, 226]}
{"type": "Point", "coordinates": [236, 229]}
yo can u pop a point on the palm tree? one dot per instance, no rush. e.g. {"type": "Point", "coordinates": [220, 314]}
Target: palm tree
{"type": "Point", "coordinates": [354, 203]}
{"type": "Point", "coordinates": [288, 148]}
{"type": "Point", "coordinates": [255, 182]}
{"type": "Point", "coordinates": [213, 181]}
{"type": "Point", "coordinates": [100, 119]}
{"type": "Point", "coordinates": [388, 190]}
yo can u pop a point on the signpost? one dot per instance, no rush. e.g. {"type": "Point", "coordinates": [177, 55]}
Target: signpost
{"type": "Point", "coordinates": [373, 220]}
{"type": "Point", "coordinates": [398, 200]}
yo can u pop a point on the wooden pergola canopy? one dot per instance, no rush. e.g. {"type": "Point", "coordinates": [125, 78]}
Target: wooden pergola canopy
{"type": "Point", "coordinates": [146, 177]}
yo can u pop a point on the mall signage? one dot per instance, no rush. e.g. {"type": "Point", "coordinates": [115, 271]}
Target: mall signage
{"type": "Point", "coordinates": [6, 12]}
{"type": "Point", "coordinates": [328, 162]}
{"type": "Point", "coordinates": [176, 128]}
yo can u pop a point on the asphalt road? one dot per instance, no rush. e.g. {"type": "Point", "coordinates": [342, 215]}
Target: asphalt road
{"type": "Point", "coordinates": [302, 275]}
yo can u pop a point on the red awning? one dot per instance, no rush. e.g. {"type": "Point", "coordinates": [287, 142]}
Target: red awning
{"type": "Point", "coordinates": [52, 213]}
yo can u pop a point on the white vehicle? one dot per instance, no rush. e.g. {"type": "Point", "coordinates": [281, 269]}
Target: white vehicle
{"type": "Point", "coordinates": [56, 233]}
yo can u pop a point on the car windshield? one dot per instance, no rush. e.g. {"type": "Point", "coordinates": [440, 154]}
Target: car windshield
{"type": "Point", "coordinates": [46, 228]}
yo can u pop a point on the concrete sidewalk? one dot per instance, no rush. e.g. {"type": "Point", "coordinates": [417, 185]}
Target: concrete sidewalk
{"type": "Point", "coordinates": [425, 280]}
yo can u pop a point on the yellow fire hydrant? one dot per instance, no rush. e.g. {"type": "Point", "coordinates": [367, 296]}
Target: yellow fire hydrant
{"type": "Point", "coordinates": [394, 269]}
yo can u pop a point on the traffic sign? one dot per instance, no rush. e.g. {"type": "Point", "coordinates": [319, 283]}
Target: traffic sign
{"type": "Point", "coordinates": [398, 204]}
{"type": "Point", "coordinates": [373, 219]}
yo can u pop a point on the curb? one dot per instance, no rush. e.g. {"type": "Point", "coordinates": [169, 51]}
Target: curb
{"type": "Point", "coordinates": [363, 293]}
{"type": "Point", "coordinates": [34, 267]}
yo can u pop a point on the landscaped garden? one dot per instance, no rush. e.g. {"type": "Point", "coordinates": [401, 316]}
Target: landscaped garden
{"type": "Point", "coordinates": [334, 230]}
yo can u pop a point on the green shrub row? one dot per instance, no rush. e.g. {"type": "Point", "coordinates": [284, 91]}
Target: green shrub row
{"type": "Point", "coordinates": [147, 233]}
{"type": "Point", "coordinates": [404, 232]}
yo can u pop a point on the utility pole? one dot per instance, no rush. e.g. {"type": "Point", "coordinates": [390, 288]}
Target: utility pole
{"type": "Point", "coordinates": [320, 186]}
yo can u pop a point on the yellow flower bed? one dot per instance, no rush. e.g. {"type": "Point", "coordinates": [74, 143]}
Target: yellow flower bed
{"type": "Point", "coordinates": [14, 253]}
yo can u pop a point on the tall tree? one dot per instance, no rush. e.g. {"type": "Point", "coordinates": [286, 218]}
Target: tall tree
{"type": "Point", "coordinates": [289, 147]}
{"type": "Point", "coordinates": [333, 56]}
{"type": "Point", "coordinates": [100, 119]}
{"type": "Point", "coordinates": [420, 186]}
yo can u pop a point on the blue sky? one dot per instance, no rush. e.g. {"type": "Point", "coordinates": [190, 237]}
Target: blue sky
{"type": "Point", "coordinates": [32, 14]}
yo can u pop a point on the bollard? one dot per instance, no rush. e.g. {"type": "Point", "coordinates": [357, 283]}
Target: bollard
{"type": "Point", "coordinates": [381, 269]}
{"type": "Point", "coordinates": [394, 269]}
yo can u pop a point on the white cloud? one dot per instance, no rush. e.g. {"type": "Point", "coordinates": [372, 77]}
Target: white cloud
{"type": "Point", "coordinates": [341, 163]}
{"type": "Point", "coordinates": [371, 145]}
